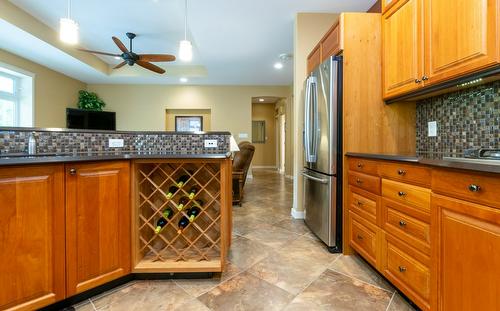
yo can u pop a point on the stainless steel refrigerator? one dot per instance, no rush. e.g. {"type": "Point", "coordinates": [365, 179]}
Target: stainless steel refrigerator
{"type": "Point", "coordinates": [323, 152]}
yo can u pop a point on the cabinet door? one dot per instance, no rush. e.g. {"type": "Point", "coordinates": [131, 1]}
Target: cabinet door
{"type": "Point", "coordinates": [402, 48]}
{"type": "Point", "coordinates": [461, 37]}
{"type": "Point", "coordinates": [97, 224]}
{"type": "Point", "coordinates": [468, 244]}
{"type": "Point", "coordinates": [314, 59]}
{"type": "Point", "coordinates": [31, 236]}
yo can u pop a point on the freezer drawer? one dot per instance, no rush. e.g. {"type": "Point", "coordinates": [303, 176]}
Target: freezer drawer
{"type": "Point", "coordinates": [320, 205]}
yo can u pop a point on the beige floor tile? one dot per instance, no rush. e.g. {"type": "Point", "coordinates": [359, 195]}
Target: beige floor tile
{"type": "Point", "coordinates": [272, 236]}
{"type": "Point", "coordinates": [245, 253]}
{"type": "Point", "coordinates": [314, 250]}
{"type": "Point", "coordinates": [398, 303]}
{"type": "Point", "coordinates": [295, 225]}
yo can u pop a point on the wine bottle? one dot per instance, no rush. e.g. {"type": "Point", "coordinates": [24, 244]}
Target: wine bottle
{"type": "Point", "coordinates": [181, 181]}
{"type": "Point", "coordinates": [183, 223]}
{"type": "Point", "coordinates": [171, 191]}
{"type": "Point", "coordinates": [168, 213]}
{"type": "Point", "coordinates": [193, 191]}
{"type": "Point", "coordinates": [193, 213]}
{"type": "Point", "coordinates": [199, 202]}
{"type": "Point", "coordinates": [160, 223]}
{"type": "Point", "coordinates": [182, 203]}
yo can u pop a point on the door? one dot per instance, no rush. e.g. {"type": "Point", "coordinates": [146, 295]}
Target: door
{"type": "Point", "coordinates": [461, 37]}
{"type": "Point", "coordinates": [31, 236]}
{"type": "Point", "coordinates": [467, 240]}
{"type": "Point", "coordinates": [319, 204]}
{"type": "Point", "coordinates": [282, 142]}
{"type": "Point", "coordinates": [402, 48]}
{"type": "Point", "coordinates": [98, 224]}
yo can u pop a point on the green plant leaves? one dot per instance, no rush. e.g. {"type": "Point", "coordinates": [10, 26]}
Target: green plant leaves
{"type": "Point", "coordinates": [90, 101]}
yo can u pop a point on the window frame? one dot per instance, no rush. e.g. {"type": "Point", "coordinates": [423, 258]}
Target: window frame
{"type": "Point", "coordinates": [14, 97]}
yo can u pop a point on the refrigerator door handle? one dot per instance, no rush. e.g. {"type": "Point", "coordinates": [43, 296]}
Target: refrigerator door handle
{"type": "Point", "coordinates": [308, 115]}
{"type": "Point", "coordinates": [321, 180]}
{"type": "Point", "coordinates": [315, 133]}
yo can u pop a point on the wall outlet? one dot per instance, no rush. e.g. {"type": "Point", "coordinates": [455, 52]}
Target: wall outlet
{"type": "Point", "coordinates": [115, 143]}
{"type": "Point", "coordinates": [432, 129]}
{"type": "Point", "coordinates": [243, 135]}
{"type": "Point", "coordinates": [210, 143]}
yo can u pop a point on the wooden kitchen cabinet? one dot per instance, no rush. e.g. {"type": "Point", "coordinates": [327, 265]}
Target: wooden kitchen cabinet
{"type": "Point", "coordinates": [31, 236]}
{"type": "Point", "coordinates": [314, 59]}
{"type": "Point", "coordinates": [467, 240]}
{"type": "Point", "coordinates": [460, 37]}
{"type": "Point", "coordinates": [97, 224]}
{"type": "Point", "coordinates": [402, 48]}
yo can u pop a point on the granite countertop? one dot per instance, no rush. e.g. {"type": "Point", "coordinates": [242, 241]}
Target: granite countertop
{"type": "Point", "coordinates": [19, 159]}
{"type": "Point", "coordinates": [432, 160]}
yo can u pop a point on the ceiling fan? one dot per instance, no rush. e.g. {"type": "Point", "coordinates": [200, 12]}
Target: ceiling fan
{"type": "Point", "coordinates": [131, 58]}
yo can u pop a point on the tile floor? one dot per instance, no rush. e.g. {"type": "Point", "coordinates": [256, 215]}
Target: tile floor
{"type": "Point", "coordinates": [275, 263]}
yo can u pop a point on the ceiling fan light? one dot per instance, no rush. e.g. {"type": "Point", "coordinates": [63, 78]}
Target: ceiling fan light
{"type": "Point", "coordinates": [185, 51]}
{"type": "Point", "coordinates": [68, 31]}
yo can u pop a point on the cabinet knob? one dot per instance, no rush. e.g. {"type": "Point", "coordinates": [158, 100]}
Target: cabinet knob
{"type": "Point", "coordinates": [72, 171]}
{"type": "Point", "coordinates": [402, 269]}
{"type": "Point", "coordinates": [418, 81]}
{"type": "Point", "coordinates": [359, 237]}
{"type": "Point", "coordinates": [401, 193]}
{"type": "Point", "coordinates": [360, 165]}
{"type": "Point", "coordinates": [401, 172]}
{"type": "Point", "coordinates": [474, 188]}
{"type": "Point", "coordinates": [360, 203]}
{"type": "Point", "coordinates": [359, 181]}
{"type": "Point", "coordinates": [402, 223]}
{"type": "Point", "coordinates": [425, 78]}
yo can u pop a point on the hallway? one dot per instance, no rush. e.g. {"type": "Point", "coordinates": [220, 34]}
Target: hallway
{"type": "Point", "coordinates": [275, 263]}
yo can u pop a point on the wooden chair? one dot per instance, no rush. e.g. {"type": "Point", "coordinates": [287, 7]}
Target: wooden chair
{"type": "Point", "coordinates": [241, 164]}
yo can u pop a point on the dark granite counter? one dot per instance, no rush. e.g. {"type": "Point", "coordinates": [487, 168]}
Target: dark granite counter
{"type": "Point", "coordinates": [434, 160]}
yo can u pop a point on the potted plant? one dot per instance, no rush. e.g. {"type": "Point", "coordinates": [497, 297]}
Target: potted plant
{"type": "Point", "coordinates": [90, 101]}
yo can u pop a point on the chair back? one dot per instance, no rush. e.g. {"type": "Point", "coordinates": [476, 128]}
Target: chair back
{"type": "Point", "coordinates": [243, 158]}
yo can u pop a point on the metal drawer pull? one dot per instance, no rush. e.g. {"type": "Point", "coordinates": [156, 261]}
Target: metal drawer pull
{"type": "Point", "coordinates": [401, 172]}
{"type": "Point", "coordinates": [402, 269]}
{"type": "Point", "coordinates": [72, 171]}
{"type": "Point", "coordinates": [401, 193]}
{"type": "Point", "coordinates": [418, 81]}
{"type": "Point", "coordinates": [359, 237]}
{"type": "Point", "coordinates": [425, 78]}
{"type": "Point", "coordinates": [360, 165]}
{"type": "Point", "coordinates": [359, 181]}
{"type": "Point", "coordinates": [474, 188]}
{"type": "Point", "coordinates": [359, 203]}
{"type": "Point", "coordinates": [402, 223]}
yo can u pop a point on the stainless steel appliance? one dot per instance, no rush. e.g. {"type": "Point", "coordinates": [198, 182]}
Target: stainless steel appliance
{"type": "Point", "coordinates": [482, 155]}
{"type": "Point", "coordinates": [323, 152]}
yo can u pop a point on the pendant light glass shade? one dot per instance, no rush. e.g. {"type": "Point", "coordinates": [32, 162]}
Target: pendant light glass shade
{"type": "Point", "coordinates": [68, 31]}
{"type": "Point", "coordinates": [185, 51]}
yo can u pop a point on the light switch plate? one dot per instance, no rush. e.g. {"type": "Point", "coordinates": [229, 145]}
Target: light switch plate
{"type": "Point", "coordinates": [115, 143]}
{"type": "Point", "coordinates": [210, 143]}
{"type": "Point", "coordinates": [243, 135]}
{"type": "Point", "coordinates": [432, 129]}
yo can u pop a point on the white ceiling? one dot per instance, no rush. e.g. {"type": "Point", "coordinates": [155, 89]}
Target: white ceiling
{"type": "Point", "coordinates": [236, 42]}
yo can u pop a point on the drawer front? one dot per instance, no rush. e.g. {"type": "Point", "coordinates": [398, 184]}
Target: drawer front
{"type": "Point", "coordinates": [363, 166]}
{"type": "Point", "coordinates": [407, 194]}
{"type": "Point", "coordinates": [363, 203]}
{"type": "Point", "coordinates": [404, 269]}
{"type": "Point", "coordinates": [406, 173]}
{"type": "Point", "coordinates": [363, 238]}
{"type": "Point", "coordinates": [366, 182]}
{"type": "Point", "coordinates": [480, 188]}
{"type": "Point", "coordinates": [398, 222]}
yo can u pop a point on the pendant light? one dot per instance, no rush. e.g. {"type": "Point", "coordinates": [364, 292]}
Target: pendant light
{"type": "Point", "coordinates": [68, 28]}
{"type": "Point", "coordinates": [185, 46]}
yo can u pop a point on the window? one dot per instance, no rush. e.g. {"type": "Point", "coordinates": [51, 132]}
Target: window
{"type": "Point", "coordinates": [259, 132]}
{"type": "Point", "coordinates": [16, 98]}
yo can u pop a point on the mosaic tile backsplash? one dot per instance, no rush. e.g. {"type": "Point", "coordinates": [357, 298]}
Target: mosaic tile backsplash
{"type": "Point", "coordinates": [80, 142]}
{"type": "Point", "coordinates": [465, 119]}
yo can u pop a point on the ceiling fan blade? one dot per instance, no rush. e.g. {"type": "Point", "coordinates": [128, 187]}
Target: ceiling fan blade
{"type": "Point", "coordinates": [120, 65]}
{"type": "Point", "coordinates": [150, 66]}
{"type": "Point", "coordinates": [97, 52]}
{"type": "Point", "coordinates": [156, 57]}
{"type": "Point", "coordinates": [120, 44]}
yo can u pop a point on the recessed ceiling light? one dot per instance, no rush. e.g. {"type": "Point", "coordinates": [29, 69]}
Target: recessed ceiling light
{"type": "Point", "coordinates": [261, 100]}
{"type": "Point", "coordinates": [278, 65]}
{"type": "Point", "coordinates": [183, 80]}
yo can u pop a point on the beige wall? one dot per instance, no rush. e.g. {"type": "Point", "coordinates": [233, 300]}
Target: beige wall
{"type": "Point", "coordinates": [309, 29]}
{"type": "Point", "coordinates": [53, 91]}
{"type": "Point", "coordinates": [172, 113]}
{"type": "Point", "coordinates": [142, 107]}
{"type": "Point", "coordinates": [265, 153]}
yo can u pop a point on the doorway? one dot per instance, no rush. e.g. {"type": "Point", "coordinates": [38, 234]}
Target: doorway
{"type": "Point", "coordinates": [282, 142]}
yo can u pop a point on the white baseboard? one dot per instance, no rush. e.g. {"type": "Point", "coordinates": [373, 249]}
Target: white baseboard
{"type": "Point", "coordinates": [298, 214]}
{"type": "Point", "coordinates": [265, 167]}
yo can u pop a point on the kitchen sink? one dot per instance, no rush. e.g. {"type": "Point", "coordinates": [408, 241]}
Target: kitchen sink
{"type": "Point", "coordinates": [473, 160]}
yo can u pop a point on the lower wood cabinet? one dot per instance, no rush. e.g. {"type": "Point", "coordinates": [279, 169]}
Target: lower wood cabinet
{"type": "Point", "coordinates": [363, 237]}
{"type": "Point", "coordinates": [31, 236]}
{"type": "Point", "coordinates": [467, 241]}
{"type": "Point", "coordinates": [97, 224]}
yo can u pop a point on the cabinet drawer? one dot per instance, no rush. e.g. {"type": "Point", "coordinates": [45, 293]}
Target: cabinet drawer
{"type": "Point", "coordinates": [363, 203]}
{"type": "Point", "coordinates": [363, 166]}
{"type": "Point", "coordinates": [408, 224]}
{"type": "Point", "coordinates": [408, 270]}
{"type": "Point", "coordinates": [363, 238]}
{"type": "Point", "coordinates": [366, 182]}
{"type": "Point", "coordinates": [331, 45]}
{"type": "Point", "coordinates": [480, 188]}
{"type": "Point", "coordinates": [407, 194]}
{"type": "Point", "coordinates": [406, 173]}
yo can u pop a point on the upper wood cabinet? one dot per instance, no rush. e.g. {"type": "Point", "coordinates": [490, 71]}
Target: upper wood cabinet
{"type": "Point", "coordinates": [31, 236]}
{"type": "Point", "coordinates": [430, 41]}
{"type": "Point", "coordinates": [402, 48]}
{"type": "Point", "coordinates": [98, 224]}
{"type": "Point", "coordinates": [467, 240]}
{"type": "Point", "coordinates": [331, 43]}
{"type": "Point", "coordinates": [460, 37]}
{"type": "Point", "coordinates": [314, 59]}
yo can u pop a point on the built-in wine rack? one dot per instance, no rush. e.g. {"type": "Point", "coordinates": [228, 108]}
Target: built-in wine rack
{"type": "Point", "coordinates": [202, 244]}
